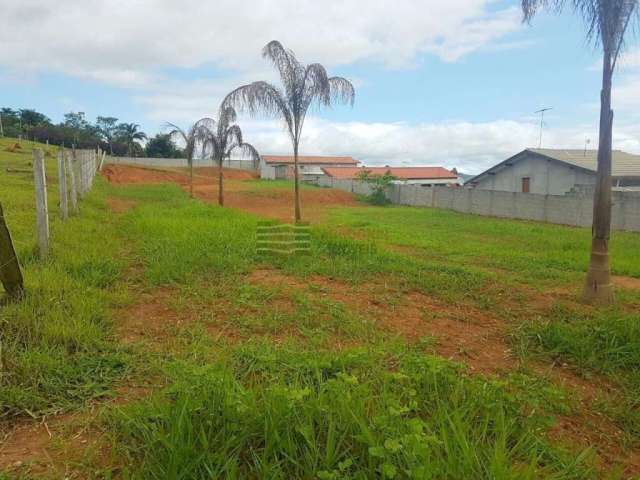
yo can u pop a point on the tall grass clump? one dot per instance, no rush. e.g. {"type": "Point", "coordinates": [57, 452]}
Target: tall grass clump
{"type": "Point", "coordinates": [606, 341]}
{"type": "Point", "coordinates": [279, 412]}
{"type": "Point", "coordinates": [56, 347]}
{"type": "Point", "coordinates": [178, 237]}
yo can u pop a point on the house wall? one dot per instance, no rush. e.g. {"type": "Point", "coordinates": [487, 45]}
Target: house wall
{"type": "Point", "coordinates": [571, 209]}
{"type": "Point", "coordinates": [546, 177]}
{"type": "Point", "coordinates": [267, 172]}
{"type": "Point", "coordinates": [271, 171]}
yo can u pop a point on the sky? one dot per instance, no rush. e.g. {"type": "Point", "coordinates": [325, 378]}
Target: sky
{"type": "Point", "coordinates": [452, 83]}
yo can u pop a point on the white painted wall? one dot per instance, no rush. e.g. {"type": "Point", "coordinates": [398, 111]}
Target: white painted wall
{"type": "Point", "coordinates": [546, 177]}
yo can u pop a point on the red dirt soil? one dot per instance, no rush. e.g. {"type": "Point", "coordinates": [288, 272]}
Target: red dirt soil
{"type": "Point", "coordinates": [462, 333]}
{"type": "Point", "coordinates": [276, 203]}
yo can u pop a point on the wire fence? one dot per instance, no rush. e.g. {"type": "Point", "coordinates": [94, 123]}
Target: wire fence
{"type": "Point", "coordinates": [76, 172]}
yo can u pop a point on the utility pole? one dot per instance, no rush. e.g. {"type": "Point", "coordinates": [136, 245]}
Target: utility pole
{"type": "Point", "coordinates": [1, 129]}
{"type": "Point", "coordinates": [541, 112]}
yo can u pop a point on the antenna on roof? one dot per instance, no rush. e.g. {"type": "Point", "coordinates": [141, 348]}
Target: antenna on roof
{"type": "Point", "coordinates": [541, 112]}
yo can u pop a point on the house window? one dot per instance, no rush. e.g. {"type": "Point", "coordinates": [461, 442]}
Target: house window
{"type": "Point", "coordinates": [526, 184]}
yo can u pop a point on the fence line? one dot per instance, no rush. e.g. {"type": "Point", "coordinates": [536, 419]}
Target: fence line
{"type": "Point", "coordinates": [571, 209]}
{"type": "Point", "coordinates": [76, 173]}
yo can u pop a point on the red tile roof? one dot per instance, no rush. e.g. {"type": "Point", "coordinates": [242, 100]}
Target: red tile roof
{"type": "Point", "coordinates": [307, 160]}
{"type": "Point", "coordinates": [402, 173]}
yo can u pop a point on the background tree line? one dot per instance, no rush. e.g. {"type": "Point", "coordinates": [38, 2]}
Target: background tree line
{"type": "Point", "coordinates": [118, 138]}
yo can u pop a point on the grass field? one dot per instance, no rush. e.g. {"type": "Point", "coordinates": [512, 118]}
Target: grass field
{"type": "Point", "coordinates": [412, 343]}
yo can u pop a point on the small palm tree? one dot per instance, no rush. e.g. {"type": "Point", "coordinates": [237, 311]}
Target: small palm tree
{"type": "Point", "coordinates": [607, 22]}
{"type": "Point", "coordinates": [302, 86]}
{"type": "Point", "coordinates": [130, 134]}
{"type": "Point", "coordinates": [222, 139]}
{"type": "Point", "coordinates": [196, 133]}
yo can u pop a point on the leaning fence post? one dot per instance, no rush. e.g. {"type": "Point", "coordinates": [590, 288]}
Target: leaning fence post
{"type": "Point", "coordinates": [42, 210]}
{"type": "Point", "coordinates": [73, 191]}
{"type": "Point", "coordinates": [10, 274]}
{"type": "Point", "coordinates": [62, 185]}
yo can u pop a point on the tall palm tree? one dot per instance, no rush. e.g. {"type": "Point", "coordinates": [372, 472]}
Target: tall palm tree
{"type": "Point", "coordinates": [130, 134]}
{"type": "Point", "coordinates": [607, 22]}
{"type": "Point", "coordinates": [224, 137]}
{"type": "Point", "coordinates": [302, 86]}
{"type": "Point", "coordinates": [191, 137]}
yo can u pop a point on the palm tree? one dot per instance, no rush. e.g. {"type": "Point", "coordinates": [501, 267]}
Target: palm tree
{"type": "Point", "coordinates": [129, 134]}
{"type": "Point", "coordinates": [224, 137]}
{"type": "Point", "coordinates": [607, 22]}
{"type": "Point", "coordinates": [196, 133]}
{"type": "Point", "coordinates": [302, 86]}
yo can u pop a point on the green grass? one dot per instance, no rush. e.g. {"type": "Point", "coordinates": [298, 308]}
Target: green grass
{"type": "Point", "coordinates": [288, 412]}
{"type": "Point", "coordinates": [276, 381]}
{"type": "Point", "coordinates": [56, 351]}
{"type": "Point", "coordinates": [530, 252]}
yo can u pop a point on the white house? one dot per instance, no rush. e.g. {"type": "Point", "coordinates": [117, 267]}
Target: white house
{"type": "Point", "coordinates": [555, 172]}
{"type": "Point", "coordinates": [426, 176]}
{"type": "Point", "coordinates": [310, 167]}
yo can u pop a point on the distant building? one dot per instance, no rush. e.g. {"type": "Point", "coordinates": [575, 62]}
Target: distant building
{"type": "Point", "coordinates": [555, 172]}
{"type": "Point", "coordinates": [310, 167]}
{"type": "Point", "coordinates": [426, 176]}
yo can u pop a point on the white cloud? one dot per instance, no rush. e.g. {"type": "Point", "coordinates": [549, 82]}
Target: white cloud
{"type": "Point", "coordinates": [124, 42]}
{"type": "Point", "coordinates": [470, 147]}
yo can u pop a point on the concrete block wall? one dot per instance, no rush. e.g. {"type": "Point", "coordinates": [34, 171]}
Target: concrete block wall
{"type": "Point", "coordinates": [570, 209]}
{"type": "Point", "coordinates": [179, 162]}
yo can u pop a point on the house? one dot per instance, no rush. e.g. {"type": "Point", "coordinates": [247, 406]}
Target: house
{"type": "Point", "coordinates": [310, 167]}
{"type": "Point", "coordinates": [425, 176]}
{"type": "Point", "coordinates": [555, 172]}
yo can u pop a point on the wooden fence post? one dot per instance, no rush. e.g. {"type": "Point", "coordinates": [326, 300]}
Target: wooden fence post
{"type": "Point", "coordinates": [73, 191]}
{"type": "Point", "coordinates": [10, 274]}
{"type": "Point", "coordinates": [104, 154]}
{"type": "Point", "coordinates": [62, 185]}
{"type": "Point", "coordinates": [42, 210]}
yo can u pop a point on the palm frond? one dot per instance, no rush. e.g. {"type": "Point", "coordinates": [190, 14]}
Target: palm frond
{"type": "Point", "coordinates": [261, 97]}
{"type": "Point", "coordinates": [342, 90]}
{"type": "Point", "coordinates": [286, 63]}
{"type": "Point", "coordinates": [315, 85]}
{"type": "Point", "coordinates": [233, 136]}
{"type": "Point", "coordinates": [247, 150]}
{"type": "Point", "coordinates": [606, 21]}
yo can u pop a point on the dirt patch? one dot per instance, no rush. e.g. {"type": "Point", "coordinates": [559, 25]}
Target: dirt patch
{"type": "Point", "coordinates": [59, 446]}
{"type": "Point", "coordinates": [120, 205]}
{"type": "Point", "coordinates": [630, 283]}
{"type": "Point", "coordinates": [276, 203]}
{"type": "Point", "coordinates": [461, 332]}
{"type": "Point", "coordinates": [131, 175]}
{"type": "Point", "coordinates": [151, 318]}
{"type": "Point", "coordinates": [589, 429]}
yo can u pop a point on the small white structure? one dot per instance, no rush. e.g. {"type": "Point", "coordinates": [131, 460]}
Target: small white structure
{"type": "Point", "coordinates": [274, 167]}
{"type": "Point", "coordinates": [425, 176]}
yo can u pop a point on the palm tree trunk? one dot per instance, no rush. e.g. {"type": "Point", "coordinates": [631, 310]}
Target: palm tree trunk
{"type": "Point", "coordinates": [598, 287]}
{"type": "Point", "coordinates": [191, 177]}
{"type": "Point", "coordinates": [296, 183]}
{"type": "Point", "coordinates": [220, 184]}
